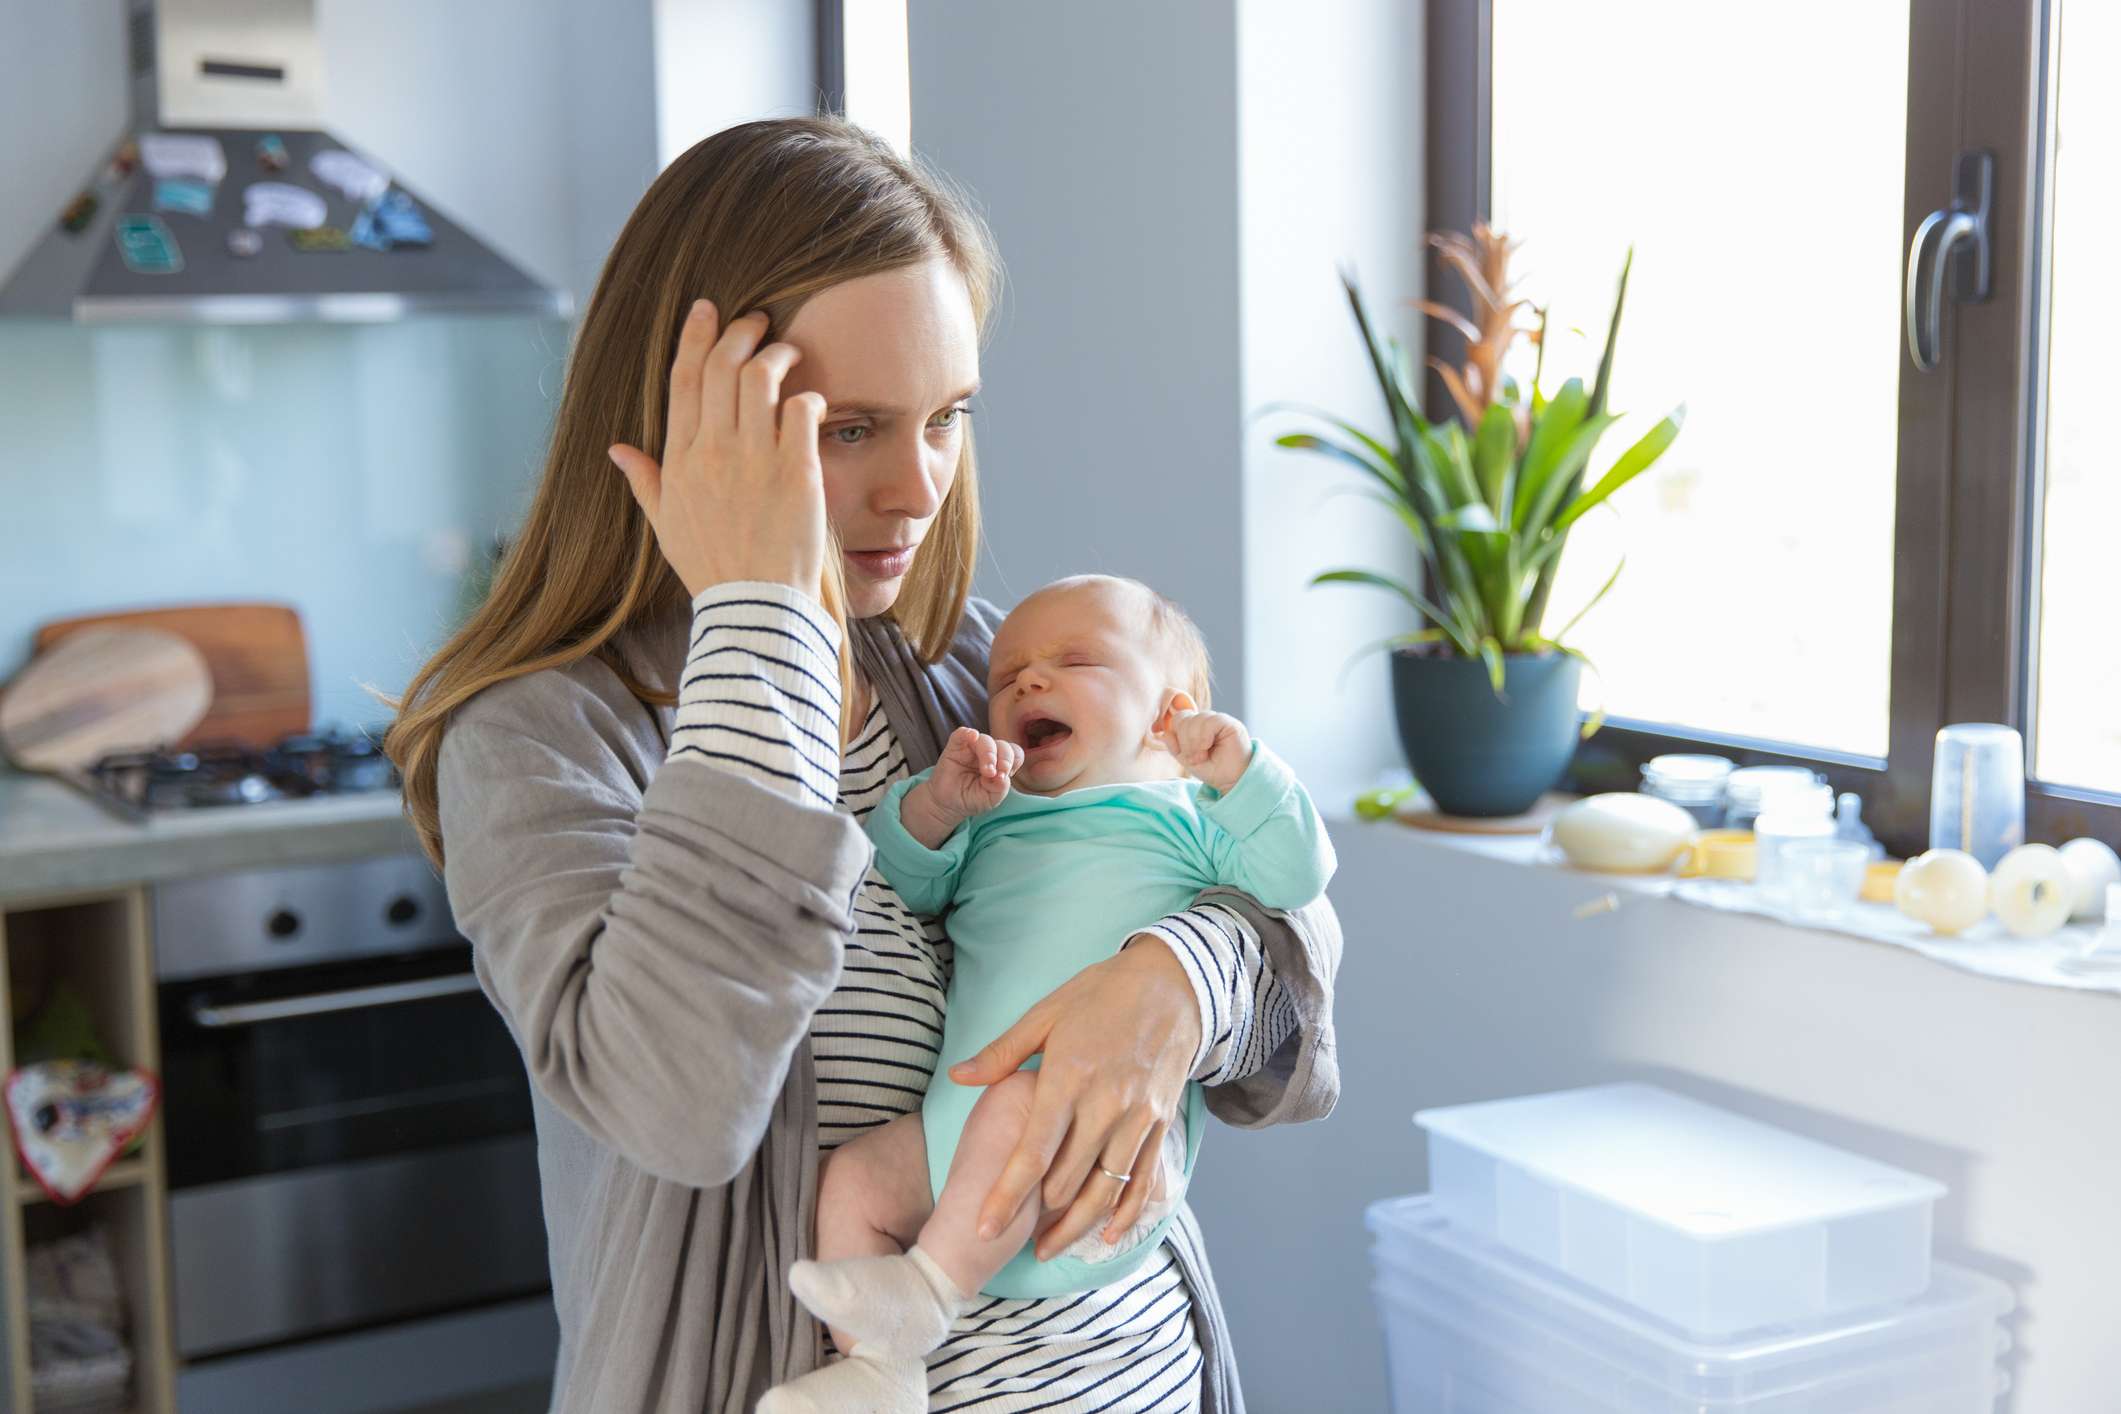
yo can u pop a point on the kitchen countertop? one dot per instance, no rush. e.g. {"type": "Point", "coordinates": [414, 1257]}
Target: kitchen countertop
{"type": "Point", "coordinates": [54, 840]}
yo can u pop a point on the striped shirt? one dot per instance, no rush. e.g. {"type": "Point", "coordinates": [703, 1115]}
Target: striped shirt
{"type": "Point", "coordinates": [760, 696]}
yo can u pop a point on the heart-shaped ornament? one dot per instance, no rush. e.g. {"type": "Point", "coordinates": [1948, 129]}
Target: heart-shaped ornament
{"type": "Point", "coordinates": [73, 1118]}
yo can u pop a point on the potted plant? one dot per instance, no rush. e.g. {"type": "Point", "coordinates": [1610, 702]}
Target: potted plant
{"type": "Point", "coordinates": [1486, 699]}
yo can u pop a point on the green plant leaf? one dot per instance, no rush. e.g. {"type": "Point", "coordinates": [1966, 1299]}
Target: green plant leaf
{"type": "Point", "coordinates": [1311, 442]}
{"type": "Point", "coordinates": [1405, 413]}
{"type": "Point", "coordinates": [1604, 385]}
{"type": "Point", "coordinates": [1603, 590]}
{"type": "Point", "coordinates": [1551, 430]}
{"type": "Point", "coordinates": [1385, 455]}
{"type": "Point", "coordinates": [1596, 717]}
{"type": "Point", "coordinates": [1397, 640]}
{"type": "Point", "coordinates": [1451, 454]}
{"type": "Point", "coordinates": [1539, 360]}
{"type": "Point", "coordinates": [1632, 463]}
{"type": "Point", "coordinates": [1491, 654]}
{"type": "Point", "coordinates": [1419, 601]}
{"type": "Point", "coordinates": [1495, 457]}
{"type": "Point", "coordinates": [1380, 804]}
{"type": "Point", "coordinates": [1567, 472]}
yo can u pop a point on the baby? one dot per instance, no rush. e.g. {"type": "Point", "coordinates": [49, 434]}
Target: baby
{"type": "Point", "coordinates": [1050, 842]}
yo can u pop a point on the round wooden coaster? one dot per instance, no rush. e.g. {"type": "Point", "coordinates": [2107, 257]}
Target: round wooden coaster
{"type": "Point", "coordinates": [1529, 823]}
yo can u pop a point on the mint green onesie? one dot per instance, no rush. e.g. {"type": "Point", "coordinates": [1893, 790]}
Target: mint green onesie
{"type": "Point", "coordinates": [1041, 887]}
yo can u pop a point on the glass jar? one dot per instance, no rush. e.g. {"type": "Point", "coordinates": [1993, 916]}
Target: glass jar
{"type": "Point", "coordinates": [1693, 783]}
{"type": "Point", "coordinates": [1745, 793]}
{"type": "Point", "coordinates": [1790, 812]}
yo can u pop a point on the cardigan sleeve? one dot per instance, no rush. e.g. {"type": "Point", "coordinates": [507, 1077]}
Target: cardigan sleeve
{"type": "Point", "coordinates": [657, 935]}
{"type": "Point", "coordinates": [1298, 1075]}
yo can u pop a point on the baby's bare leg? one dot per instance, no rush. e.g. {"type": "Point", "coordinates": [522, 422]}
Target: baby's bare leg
{"type": "Point", "coordinates": [951, 1233]}
{"type": "Point", "coordinates": [886, 1284]}
{"type": "Point", "coordinates": [873, 1196]}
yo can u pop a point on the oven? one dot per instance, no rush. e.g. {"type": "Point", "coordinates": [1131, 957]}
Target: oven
{"type": "Point", "coordinates": [349, 1125]}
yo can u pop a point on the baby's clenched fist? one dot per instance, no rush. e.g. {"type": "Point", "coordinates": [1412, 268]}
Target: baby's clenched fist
{"type": "Point", "coordinates": [1213, 747]}
{"type": "Point", "coordinates": [970, 778]}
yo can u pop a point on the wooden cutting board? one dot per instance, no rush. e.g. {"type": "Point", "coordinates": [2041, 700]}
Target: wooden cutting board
{"type": "Point", "coordinates": [256, 655]}
{"type": "Point", "coordinates": [101, 691]}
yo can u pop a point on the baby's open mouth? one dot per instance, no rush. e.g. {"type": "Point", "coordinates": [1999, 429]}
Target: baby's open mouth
{"type": "Point", "coordinates": [1045, 731]}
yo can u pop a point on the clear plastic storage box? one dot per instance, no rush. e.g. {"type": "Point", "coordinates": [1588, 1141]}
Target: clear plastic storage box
{"type": "Point", "coordinates": [1706, 1219]}
{"type": "Point", "coordinates": [1471, 1328]}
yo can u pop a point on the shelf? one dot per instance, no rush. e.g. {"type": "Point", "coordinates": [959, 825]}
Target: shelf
{"type": "Point", "coordinates": [126, 1173]}
{"type": "Point", "coordinates": [98, 945]}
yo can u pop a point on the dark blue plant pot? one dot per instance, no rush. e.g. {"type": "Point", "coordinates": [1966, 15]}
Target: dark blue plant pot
{"type": "Point", "coordinates": [1477, 754]}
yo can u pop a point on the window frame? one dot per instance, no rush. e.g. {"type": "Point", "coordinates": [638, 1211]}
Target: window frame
{"type": "Point", "coordinates": [1971, 432]}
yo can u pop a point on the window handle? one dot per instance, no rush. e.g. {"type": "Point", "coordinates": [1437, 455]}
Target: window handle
{"type": "Point", "coordinates": [1952, 241]}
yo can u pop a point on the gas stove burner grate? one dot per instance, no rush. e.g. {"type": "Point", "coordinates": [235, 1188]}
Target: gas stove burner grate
{"type": "Point", "coordinates": [330, 761]}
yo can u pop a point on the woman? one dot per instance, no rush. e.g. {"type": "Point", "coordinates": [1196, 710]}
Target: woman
{"type": "Point", "coordinates": [642, 766]}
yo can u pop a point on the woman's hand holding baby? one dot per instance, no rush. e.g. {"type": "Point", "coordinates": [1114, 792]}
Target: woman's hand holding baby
{"type": "Point", "coordinates": [1212, 747]}
{"type": "Point", "coordinates": [739, 493]}
{"type": "Point", "coordinates": [971, 778]}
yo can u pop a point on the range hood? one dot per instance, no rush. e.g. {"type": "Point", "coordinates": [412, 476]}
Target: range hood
{"type": "Point", "coordinates": [241, 72]}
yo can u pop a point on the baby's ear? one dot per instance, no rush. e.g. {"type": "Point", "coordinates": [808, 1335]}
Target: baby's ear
{"type": "Point", "coordinates": [1180, 702]}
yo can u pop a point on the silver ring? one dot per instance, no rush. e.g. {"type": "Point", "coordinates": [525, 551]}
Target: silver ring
{"type": "Point", "coordinates": [1123, 1178]}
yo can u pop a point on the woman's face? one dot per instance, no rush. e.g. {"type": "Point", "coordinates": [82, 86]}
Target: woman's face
{"type": "Point", "coordinates": [896, 356]}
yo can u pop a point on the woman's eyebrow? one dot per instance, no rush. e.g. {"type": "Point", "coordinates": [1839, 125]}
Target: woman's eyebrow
{"type": "Point", "coordinates": [861, 407]}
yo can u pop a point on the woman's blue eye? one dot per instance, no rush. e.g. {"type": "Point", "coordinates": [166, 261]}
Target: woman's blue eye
{"type": "Point", "coordinates": [949, 418]}
{"type": "Point", "coordinates": [842, 435]}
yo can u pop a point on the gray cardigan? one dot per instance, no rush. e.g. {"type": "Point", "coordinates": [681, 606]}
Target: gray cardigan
{"type": "Point", "coordinates": [657, 936]}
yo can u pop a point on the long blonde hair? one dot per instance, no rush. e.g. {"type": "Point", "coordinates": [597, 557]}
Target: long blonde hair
{"type": "Point", "coordinates": [760, 216]}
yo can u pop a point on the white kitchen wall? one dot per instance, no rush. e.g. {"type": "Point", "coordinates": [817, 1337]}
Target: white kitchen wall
{"type": "Point", "coordinates": [1329, 177]}
{"type": "Point", "coordinates": [1100, 138]}
{"type": "Point", "coordinates": [356, 472]}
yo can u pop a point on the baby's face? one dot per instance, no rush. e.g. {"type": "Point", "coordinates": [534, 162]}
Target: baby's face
{"type": "Point", "coordinates": [1076, 681]}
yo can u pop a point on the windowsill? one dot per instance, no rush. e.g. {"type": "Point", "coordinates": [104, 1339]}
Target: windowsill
{"type": "Point", "coordinates": [1985, 952]}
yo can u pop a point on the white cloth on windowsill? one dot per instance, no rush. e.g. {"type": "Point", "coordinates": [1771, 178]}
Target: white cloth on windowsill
{"type": "Point", "coordinates": [1986, 948]}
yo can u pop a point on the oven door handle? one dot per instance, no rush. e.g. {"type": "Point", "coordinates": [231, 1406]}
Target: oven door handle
{"type": "Point", "coordinates": [324, 1003]}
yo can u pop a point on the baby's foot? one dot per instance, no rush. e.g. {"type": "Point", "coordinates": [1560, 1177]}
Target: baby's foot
{"type": "Point", "coordinates": [901, 1304]}
{"type": "Point", "coordinates": [867, 1379]}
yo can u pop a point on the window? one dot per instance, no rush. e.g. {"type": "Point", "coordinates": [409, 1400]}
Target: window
{"type": "Point", "coordinates": [1760, 551]}
{"type": "Point", "coordinates": [2077, 717]}
{"type": "Point", "coordinates": [1846, 550]}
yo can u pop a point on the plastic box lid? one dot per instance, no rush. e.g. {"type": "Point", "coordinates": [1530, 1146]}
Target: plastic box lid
{"type": "Point", "coordinates": [1414, 1244]}
{"type": "Point", "coordinates": [1666, 1159]}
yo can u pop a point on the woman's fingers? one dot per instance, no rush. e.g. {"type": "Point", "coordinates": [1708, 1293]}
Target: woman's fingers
{"type": "Point", "coordinates": [800, 416]}
{"type": "Point", "coordinates": [1147, 1183]}
{"type": "Point", "coordinates": [643, 476]}
{"type": "Point", "coordinates": [1092, 1205]}
{"type": "Point", "coordinates": [682, 417]}
{"type": "Point", "coordinates": [758, 402]}
{"type": "Point", "coordinates": [721, 375]}
{"type": "Point", "coordinates": [1006, 1053]}
{"type": "Point", "coordinates": [1090, 1146]}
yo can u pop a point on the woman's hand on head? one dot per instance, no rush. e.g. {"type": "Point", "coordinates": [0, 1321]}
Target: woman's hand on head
{"type": "Point", "coordinates": [739, 493]}
{"type": "Point", "coordinates": [1118, 1039]}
